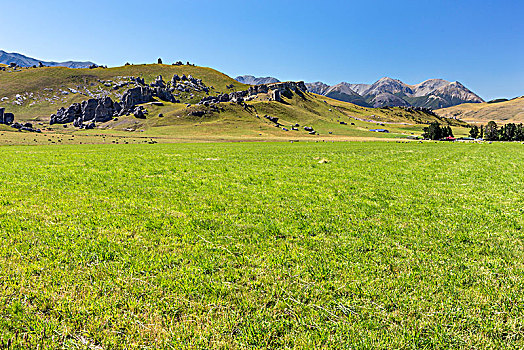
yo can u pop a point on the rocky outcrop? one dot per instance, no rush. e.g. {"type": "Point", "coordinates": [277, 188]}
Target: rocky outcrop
{"type": "Point", "coordinates": [144, 94]}
{"type": "Point", "coordinates": [99, 110]}
{"type": "Point", "coordinates": [93, 110]}
{"type": "Point", "coordinates": [275, 92]}
{"type": "Point", "coordinates": [135, 96]}
{"type": "Point", "coordinates": [275, 96]}
{"type": "Point", "coordinates": [297, 87]}
{"type": "Point", "coordinates": [187, 84]}
{"type": "Point", "coordinates": [139, 112]}
{"type": "Point", "coordinates": [159, 82]}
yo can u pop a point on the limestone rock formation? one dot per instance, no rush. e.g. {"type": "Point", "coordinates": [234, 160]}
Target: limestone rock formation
{"type": "Point", "coordinates": [275, 91]}
{"type": "Point", "coordinates": [135, 96]}
{"type": "Point", "coordinates": [93, 110]}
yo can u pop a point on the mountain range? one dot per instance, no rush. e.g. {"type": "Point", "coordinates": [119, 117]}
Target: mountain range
{"type": "Point", "coordinates": [433, 93]}
{"type": "Point", "coordinates": [24, 61]}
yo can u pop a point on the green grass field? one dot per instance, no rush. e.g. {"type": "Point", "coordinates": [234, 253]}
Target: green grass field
{"type": "Point", "coordinates": [262, 245]}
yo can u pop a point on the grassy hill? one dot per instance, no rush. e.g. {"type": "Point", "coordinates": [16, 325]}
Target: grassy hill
{"type": "Point", "coordinates": [34, 94]}
{"type": "Point", "coordinates": [511, 111]}
{"type": "Point", "coordinates": [42, 89]}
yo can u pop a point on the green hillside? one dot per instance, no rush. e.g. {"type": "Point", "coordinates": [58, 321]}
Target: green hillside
{"type": "Point", "coordinates": [34, 94]}
{"type": "Point", "coordinates": [511, 111]}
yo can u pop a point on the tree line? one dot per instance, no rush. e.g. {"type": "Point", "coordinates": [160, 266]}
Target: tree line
{"type": "Point", "coordinates": [492, 132]}
{"type": "Point", "coordinates": [436, 132]}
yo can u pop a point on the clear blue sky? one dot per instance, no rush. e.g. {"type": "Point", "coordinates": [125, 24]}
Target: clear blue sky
{"type": "Point", "coordinates": [479, 43]}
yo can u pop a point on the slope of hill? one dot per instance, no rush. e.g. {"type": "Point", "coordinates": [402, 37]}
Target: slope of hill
{"type": "Point", "coordinates": [251, 80]}
{"type": "Point", "coordinates": [33, 94]}
{"type": "Point", "coordinates": [511, 111]}
{"type": "Point", "coordinates": [24, 61]}
{"type": "Point", "coordinates": [433, 93]}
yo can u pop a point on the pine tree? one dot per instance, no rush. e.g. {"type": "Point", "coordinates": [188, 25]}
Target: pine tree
{"type": "Point", "coordinates": [492, 132]}
{"type": "Point", "coordinates": [432, 132]}
{"type": "Point", "coordinates": [474, 132]}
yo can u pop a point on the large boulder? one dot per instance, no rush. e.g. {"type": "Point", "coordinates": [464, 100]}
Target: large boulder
{"type": "Point", "coordinates": [104, 110]}
{"type": "Point", "coordinates": [9, 118]}
{"type": "Point", "coordinates": [89, 109]}
{"type": "Point", "coordinates": [135, 96]}
{"type": "Point", "coordinates": [139, 113]}
{"type": "Point", "coordinates": [64, 116]}
{"type": "Point", "coordinates": [159, 82]}
{"type": "Point", "coordinates": [118, 107]}
{"type": "Point", "coordinates": [163, 94]}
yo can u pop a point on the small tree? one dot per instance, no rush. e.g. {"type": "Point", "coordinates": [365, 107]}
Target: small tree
{"type": "Point", "coordinates": [482, 131]}
{"type": "Point", "coordinates": [474, 132]}
{"type": "Point", "coordinates": [159, 61]}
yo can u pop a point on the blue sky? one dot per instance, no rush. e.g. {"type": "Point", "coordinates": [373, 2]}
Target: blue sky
{"type": "Point", "coordinates": [479, 43]}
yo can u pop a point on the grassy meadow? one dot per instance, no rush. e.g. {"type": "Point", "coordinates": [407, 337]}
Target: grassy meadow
{"type": "Point", "coordinates": [250, 245]}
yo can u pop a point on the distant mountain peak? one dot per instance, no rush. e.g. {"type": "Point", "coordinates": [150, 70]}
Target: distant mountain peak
{"type": "Point", "coordinates": [25, 61]}
{"type": "Point", "coordinates": [317, 88]}
{"type": "Point", "coordinates": [252, 80]}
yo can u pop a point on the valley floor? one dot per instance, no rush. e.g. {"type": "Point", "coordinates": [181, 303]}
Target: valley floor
{"type": "Point", "coordinates": [262, 245]}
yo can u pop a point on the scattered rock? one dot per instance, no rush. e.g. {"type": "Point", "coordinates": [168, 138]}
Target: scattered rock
{"type": "Point", "coordinates": [271, 119]}
{"type": "Point", "coordinates": [139, 113]}
{"type": "Point", "coordinates": [25, 127]}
